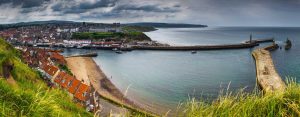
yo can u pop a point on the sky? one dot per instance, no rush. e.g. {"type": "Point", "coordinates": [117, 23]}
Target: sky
{"type": "Point", "coordinates": [208, 12]}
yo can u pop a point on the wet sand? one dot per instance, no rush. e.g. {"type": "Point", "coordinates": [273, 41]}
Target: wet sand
{"type": "Point", "coordinates": [86, 69]}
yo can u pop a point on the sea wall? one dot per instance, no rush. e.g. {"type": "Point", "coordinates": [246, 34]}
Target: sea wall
{"type": "Point", "coordinates": [266, 75]}
{"type": "Point", "coordinates": [202, 47]}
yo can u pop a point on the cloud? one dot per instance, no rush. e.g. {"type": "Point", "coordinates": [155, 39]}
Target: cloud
{"type": "Point", "coordinates": [210, 12]}
{"type": "Point", "coordinates": [71, 6]}
{"type": "Point", "coordinates": [24, 3]}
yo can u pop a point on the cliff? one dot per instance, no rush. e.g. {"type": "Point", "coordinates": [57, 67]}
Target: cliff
{"type": "Point", "coordinates": [24, 93]}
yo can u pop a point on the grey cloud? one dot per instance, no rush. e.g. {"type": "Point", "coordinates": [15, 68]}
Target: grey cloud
{"type": "Point", "coordinates": [70, 6]}
{"type": "Point", "coordinates": [24, 3]}
{"type": "Point", "coordinates": [147, 8]}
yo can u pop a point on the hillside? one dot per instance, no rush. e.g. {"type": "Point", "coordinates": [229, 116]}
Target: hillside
{"type": "Point", "coordinates": [138, 28]}
{"type": "Point", "coordinates": [129, 36]}
{"type": "Point", "coordinates": [241, 104]}
{"type": "Point", "coordinates": [24, 93]}
{"type": "Point", "coordinates": [167, 25]}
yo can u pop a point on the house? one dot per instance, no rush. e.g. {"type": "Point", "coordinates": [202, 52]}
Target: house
{"type": "Point", "coordinates": [73, 86]}
{"type": "Point", "coordinates": [50, 69]}
{"type": "Point", "coordinates": [58, 58]}
{"type": "Point", "coordinates": [59, 77]}
{"type": "Point", "coordinates": [82, 92]}
{"type": "Point", "coordinates": [66, 81]}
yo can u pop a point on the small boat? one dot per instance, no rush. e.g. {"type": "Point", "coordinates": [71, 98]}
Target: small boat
{"type": "Point", "coordinates": [119, 52]}
{"type": "Point", "coordinates": [115, 49]}
{"type": "Point", "coordinates": [194, 52]}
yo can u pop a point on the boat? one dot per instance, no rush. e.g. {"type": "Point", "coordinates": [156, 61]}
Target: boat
{"type": "Point", "coordinates": [194, 52]}
{"type": "Point", "coordinates": [115, 49]}
{"type": "Point", "coordinates": [119, 52]}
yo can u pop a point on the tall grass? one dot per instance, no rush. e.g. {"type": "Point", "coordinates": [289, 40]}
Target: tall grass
{"type": "Point", "coordinates": [244, 104]}
{"type": "Point", "coordinates": [31, 97]}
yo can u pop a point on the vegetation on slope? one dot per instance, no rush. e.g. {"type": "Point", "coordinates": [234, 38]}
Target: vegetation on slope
{"type": "Point", "coordinates": [242, 104]}
{"type": "Point", "coordinates": [111, 35]}
{"type": "Point", "coordinates": [138, 28]}
{"type": "Point", "coordinates": [28, 95]}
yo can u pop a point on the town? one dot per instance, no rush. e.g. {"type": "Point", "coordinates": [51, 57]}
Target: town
{"type": "Point", "coordinates": [51, 66]}
{"type": "Point", "coordinates": [76, 35]}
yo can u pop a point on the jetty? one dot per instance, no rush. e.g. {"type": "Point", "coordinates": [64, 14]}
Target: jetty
{"type": "Point", "coordinates": [84, 55]}
{"type": "Point", "coordinates": [246, 44]}
{"type": "Point", "coordinates": [260, 40]}
{"type": "Point", "coordinates": [266, 75]}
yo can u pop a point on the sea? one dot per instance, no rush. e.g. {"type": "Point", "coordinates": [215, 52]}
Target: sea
{"type": "Point", "coordinates": [163, 80]}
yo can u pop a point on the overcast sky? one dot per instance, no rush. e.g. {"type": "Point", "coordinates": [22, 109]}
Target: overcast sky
{"type": "Point", "coordinates": [210, 12]}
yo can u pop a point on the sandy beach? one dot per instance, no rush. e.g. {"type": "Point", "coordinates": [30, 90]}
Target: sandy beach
{"type": "Point", "coordinates": [85, 68]}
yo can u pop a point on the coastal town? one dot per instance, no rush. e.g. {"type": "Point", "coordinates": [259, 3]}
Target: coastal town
{"type": "Point", "coordinates": [40, 47]}
{"type": "Point", "coordinates": [47, 63]}
{"type": "Point", "coordinates": [76, 35]}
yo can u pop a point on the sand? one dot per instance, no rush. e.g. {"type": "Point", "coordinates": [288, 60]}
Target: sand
{"type": "Point", "coordinates": [85, 68]}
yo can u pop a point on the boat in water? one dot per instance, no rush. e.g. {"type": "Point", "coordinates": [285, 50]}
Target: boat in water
{"type": "Point", "coordinates": [119, 52]}
{"type": "Point", "coordinates": [115, 49]}
{"type": "Point", "coordinates": [194, 52]}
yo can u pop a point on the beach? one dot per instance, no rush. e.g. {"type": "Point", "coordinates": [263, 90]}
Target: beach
{"type": "Point", "coordinates": [85, 69]}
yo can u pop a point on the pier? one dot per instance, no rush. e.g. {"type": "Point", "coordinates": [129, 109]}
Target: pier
{"type": "Point", "coordinates": [246, 44]}
{"type": "Point", "coordinates": [266, 74]}
{"type": "Point", "coordinates": [198, 47]}
{"type": "Point", "coordinates": [261, 40]}
{"type": "Point", "coordinates": [84, 55]}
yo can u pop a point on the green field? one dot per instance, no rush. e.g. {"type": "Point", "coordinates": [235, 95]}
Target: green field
{"type": "Point", "coordinates": [139, 36]}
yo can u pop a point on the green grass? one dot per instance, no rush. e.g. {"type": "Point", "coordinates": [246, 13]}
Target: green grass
{"type": "Point", "coordinates": [243, 104]}
{"type": "Point", "coordinates": [129, 36]}
{"type": "Point", "coordinates": [65, 68]}
{"type": "Point", "coordinates": [97, 35]}
{"type": "Point", "coordinates": [30, 96]}
{"type": "Point", "coordinates": [138, 29]}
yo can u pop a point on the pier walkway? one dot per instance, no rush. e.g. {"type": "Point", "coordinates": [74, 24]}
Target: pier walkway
{"type": "Point", "coordinates": [246, 44]}
{"type": "Point", "coordinates": [266, 74]}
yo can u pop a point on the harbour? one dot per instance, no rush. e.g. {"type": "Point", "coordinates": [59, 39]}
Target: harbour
{"type": "Point", "coordinates": [161, 88]}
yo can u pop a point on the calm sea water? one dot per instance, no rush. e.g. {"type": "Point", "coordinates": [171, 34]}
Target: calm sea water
{"type": "Point", "coordinates": [165, 78]}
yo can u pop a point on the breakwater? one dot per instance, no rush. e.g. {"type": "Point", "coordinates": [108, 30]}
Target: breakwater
{"type": "Point", "coordinates": [266, 74]}
{"type": "Point", "coordinates": [84, 55]}
{"type": "Point", "coordinates": [199, 47]}
{"type": "Point", "coordinates": [246, 44]}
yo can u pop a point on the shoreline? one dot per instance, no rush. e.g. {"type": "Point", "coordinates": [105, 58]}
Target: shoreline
{"type": "Point", "coordinates": [99, 81]}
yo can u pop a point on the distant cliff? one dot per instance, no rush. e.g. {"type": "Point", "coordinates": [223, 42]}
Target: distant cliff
{"type": "Point", "coordinates": [167, 25]}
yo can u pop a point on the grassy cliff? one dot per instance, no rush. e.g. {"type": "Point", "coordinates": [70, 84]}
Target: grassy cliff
{"type": "Point", "coordinates": [25, 94]}
{"type": "Point", "coordinates": [139, 36]}
{"type": "Point", "coordinates": [255, 104]}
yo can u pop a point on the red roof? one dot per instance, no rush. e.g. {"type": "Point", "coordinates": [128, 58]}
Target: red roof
{"type": "Point", "coordinates": [51, 70]}
{"type": "Point", "coordinates": [58, 57]}
{"type": "Point", "coordinates": [66, 80]}
{"type": "Point", "coordinates": [74, 86]}
{"type": "Point", "coordinates": [59, 77]}
{"type": "Point", "coordinates": [82, 92]}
